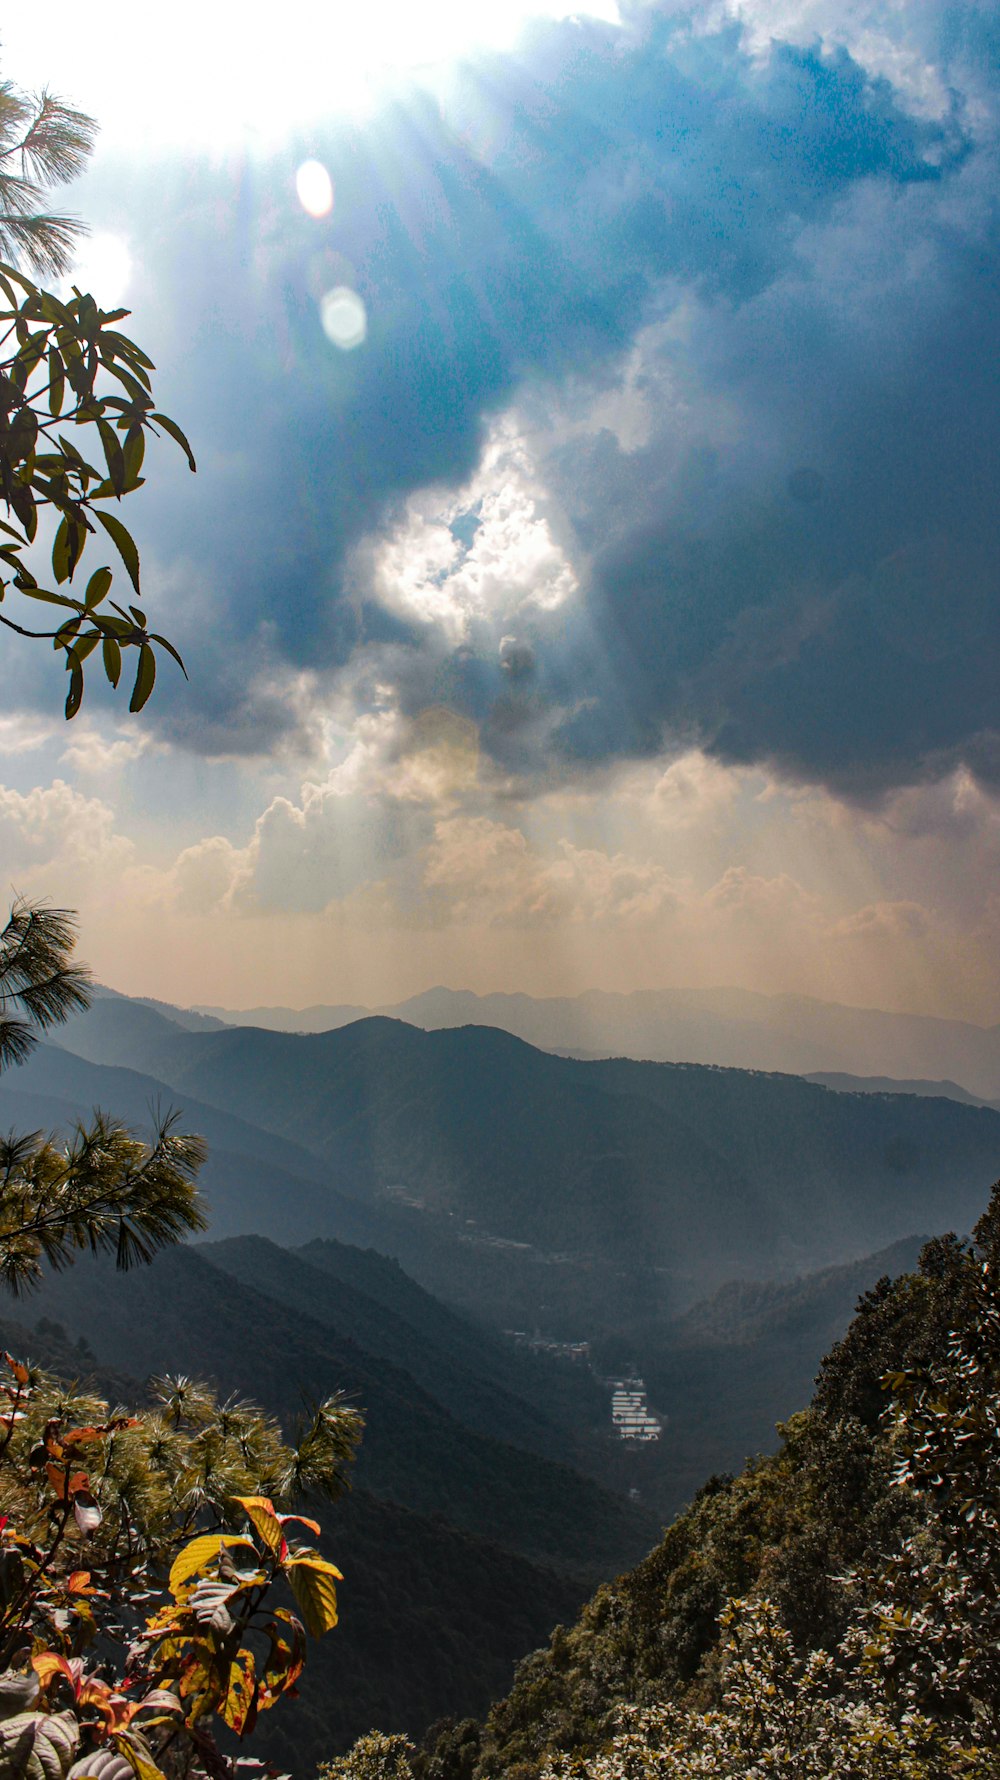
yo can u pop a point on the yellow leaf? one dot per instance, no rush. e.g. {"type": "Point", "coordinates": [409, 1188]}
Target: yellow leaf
{"type": "Point", "coordinates": [260, 1510]}
{"type": "Point", "coordinates": [238, 1703]}
{"type": "Point", "coordinates": [137, 1753]}
{"type": "Point", "coordinates": [199, 1554]}
{"type": "Point", "coordinates": [313, 1582]}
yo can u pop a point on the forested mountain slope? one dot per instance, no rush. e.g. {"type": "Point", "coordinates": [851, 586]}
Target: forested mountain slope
{"type": "Point", "coordinates": [468, 1371]}
{"type": "Point", "coordinates": [183, 1314]}
{"type": "Point", "coordinates": [870, 1537]}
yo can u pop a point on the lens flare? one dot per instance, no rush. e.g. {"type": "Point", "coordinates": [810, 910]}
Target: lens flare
{"type": "Point", "coordinates": [315, 188]}
{"type": "Point", "coordinates": [344, 317]}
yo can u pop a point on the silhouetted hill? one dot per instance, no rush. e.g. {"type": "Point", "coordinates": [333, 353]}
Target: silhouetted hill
{"type": "Point", "coordinates": [183, 1314]}
{"type": "Point", "coordinates": [738, 1028]}
{"type": "Point", "coordinates": [565, 1391]}
{"type": "Point", "coordinates": [702, 1173]}
{"type": "Point", "coordinates": [189, 1019]}
{"type": "Point", "coordinates": [320, 1017]}
{"type": "Point", "coordinates": [885, 1084]}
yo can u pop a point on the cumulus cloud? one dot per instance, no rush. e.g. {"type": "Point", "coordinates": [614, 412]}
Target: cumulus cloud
{"type": "Point", "coordinates": [93, 752]}
{"type": "Point", "coordinates": [878, 920]}
{"type": "Point", "coordinates": [56, 842]}
{"type": "Point", "coordinates": [486, 871]}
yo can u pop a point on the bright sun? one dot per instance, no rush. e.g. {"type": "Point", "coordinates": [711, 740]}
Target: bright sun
{"type": "Point", "coordinates": [194, 75]}
{"type": "Point", "coordinates": [103, 266]}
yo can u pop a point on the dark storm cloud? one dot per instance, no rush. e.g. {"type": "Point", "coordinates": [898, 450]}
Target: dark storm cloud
{"type": "Point", "coordinates": [850, 637]}
{"type": "Point", "coordinates": [522, 228]}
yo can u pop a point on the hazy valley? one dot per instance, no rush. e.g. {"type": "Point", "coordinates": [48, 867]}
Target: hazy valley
{"type": "Point", "coordinates": [430, 1221]}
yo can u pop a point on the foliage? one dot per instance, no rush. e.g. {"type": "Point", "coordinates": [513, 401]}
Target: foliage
{"type": "Point", "coordinates": [374, 1757]}
{"type": "Point", "coordinates": [779, 1715]}
{"type": "Point", "coordinates": [141, 1554]}
{"type": "Point", "coordinates": [931, 1626]}
{"type": "Point", "coordinates": [39, 983]}
{"type": "Point", "coordinates": [831, 1610]}
{"type": "Point", "coordinates": [105, 1189]}
{"type": "Point", "coordinates": [43, 142]}
{"type": "Point", "coordinates": [67, 367]}
{"type": "Point", "coordinates": [139, 1559]}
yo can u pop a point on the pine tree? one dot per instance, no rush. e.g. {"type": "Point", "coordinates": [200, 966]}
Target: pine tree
{"type": "Point", "coordinates": [43, 142]}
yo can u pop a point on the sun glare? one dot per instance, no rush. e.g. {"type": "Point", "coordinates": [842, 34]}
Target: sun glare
{"type": "Point", "coordinates": [254, 77]}
{"type": "Point", "coordinates": [103, 268]}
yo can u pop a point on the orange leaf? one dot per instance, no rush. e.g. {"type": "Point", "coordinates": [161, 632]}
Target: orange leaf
{"type": "Point", "coordinates": [301, 1521]}
{"type": "Point", "coordinates": [66, 1485]}
{"type": "Point", "coordinates": [18, 1368]}
{"type": "Point", "coordinates": [47, 1664]}
{"type": "Point", "coordinates": [260, 1511]}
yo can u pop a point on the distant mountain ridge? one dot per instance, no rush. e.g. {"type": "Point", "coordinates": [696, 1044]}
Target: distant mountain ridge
{"type": "Point", "coordinates": [502, 1154]}
{"type": "Point", "coordinates": [738, 1028]}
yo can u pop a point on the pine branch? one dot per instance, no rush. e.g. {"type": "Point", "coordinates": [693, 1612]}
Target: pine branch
{"type": "Point", "coordinates": [43, 142]}
{"type": "Point", "coordinates": [107, 1191]}
{"type": "Point", "coordinates": [39, 985]}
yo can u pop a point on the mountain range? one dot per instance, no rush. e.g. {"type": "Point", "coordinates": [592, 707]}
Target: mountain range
{"type": "Point", "coordinates": [534, 1187]}
{"type": "Point", "coordinates": [738, 1028]}
{"type": "Point", "coordinates": [387, 1201]}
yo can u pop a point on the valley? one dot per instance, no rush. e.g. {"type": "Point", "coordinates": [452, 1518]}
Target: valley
{"type": "Point", "coordinates": [559, 1305]}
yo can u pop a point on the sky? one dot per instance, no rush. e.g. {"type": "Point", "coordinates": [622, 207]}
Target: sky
{"type": "Point", "coordinates": [590, 577]}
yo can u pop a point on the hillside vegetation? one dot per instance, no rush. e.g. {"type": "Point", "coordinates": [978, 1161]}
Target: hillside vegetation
{"type": "Point", "coordinates": [833, 1609]}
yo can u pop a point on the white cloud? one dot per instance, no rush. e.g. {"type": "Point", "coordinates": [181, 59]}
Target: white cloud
{"type": "Point", "coordinates": [481, 870]}
{"type": "Point", "coordinates": [62, 846]}
{"type": "Point", "coordinates": [485, 553]}
{"type": "Point", "coordinates": [94, 753]}
{"type": "Point", "coordinates": [22, 734]}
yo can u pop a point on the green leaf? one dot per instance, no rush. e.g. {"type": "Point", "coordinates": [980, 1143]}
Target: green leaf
{"type": "Point", "coordinates": [171, 427]}
{"type": "Point", "coordinates": [57, 382]}
{"type": "Point", "coordinates": [74, 697]}
{"type": "Point", "coordinates": [112, 660]}
{"type": "Point", "coordinates": [113, 455]}
{"type": "Point", "coordinates": [124, 543]}
{"type": "Point", "coordinates": [67, 547]}
{"type": "Point", "coordinates": [51, 599]}
{"type": "Point", "coordinates": [97, 587]}
{"type": "Point", "coordinates": [165, 643]}
{"type": "Point", "coordinates": [131, 351]}
{"type": "Point", "coordinates": [145, 676]}
{"type": "Point", "coordinates": [60, 552]}
{"type": "Point", "coordinates": [135, 449]}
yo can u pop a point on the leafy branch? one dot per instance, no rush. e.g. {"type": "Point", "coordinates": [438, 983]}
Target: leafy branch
{"type": "Point", "coordinates": [67, 365]}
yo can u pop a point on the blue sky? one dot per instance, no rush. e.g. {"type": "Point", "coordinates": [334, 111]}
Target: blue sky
{"type": "Point", "coordinates": [624, 601]}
